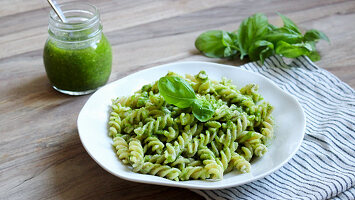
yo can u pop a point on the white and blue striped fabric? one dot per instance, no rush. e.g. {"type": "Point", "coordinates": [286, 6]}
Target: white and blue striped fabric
{"type": "Point", "coordinates": [324, 166]}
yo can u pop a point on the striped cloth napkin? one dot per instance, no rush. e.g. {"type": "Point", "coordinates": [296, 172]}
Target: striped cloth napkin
{"type": "Point", "coordinates": [324, 166]}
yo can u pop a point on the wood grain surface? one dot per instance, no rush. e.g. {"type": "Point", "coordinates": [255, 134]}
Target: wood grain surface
{"type": "Point", "coordinates": [41, 156]}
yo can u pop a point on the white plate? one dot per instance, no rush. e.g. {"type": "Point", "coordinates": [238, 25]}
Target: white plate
{"type": "Point", "coordinates": [288, 114]}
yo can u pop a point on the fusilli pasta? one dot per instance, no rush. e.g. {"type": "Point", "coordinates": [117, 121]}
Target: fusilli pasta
{"type": "Point", "coordinates": [160, 139]}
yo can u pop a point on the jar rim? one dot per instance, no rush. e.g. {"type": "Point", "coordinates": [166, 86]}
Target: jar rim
{"type": "Point", "coordinates": [75, 6]}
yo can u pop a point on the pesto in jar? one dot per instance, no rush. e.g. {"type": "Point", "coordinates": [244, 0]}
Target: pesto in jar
{"type": "Point", "coordinates": [78, 69]}
{"type": "Point", "coordinates": [77, 56]}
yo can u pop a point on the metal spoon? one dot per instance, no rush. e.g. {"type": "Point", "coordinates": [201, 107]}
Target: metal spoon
{"type": "Point", "coordinates": [57, 10]}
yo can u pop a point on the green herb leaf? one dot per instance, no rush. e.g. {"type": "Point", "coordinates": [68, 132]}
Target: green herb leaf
{"type": "Point", "coordinates": [250, 30]}
{"type": "Point", "coordinates": [246, 137]}
{"type": "Point", "coordinates": [202, 109]}
{"type": "Point", "coordinates": [314, 56]}
{"type": "Point", "coordinates": [260, 50]}
{"type": "Point", "coordinates": [210, 44]}
{"type": "Point", "coordinates": [229, 41]}
{"type": "Point", "coordinates": [271, 27]}
{"type": "Point", "coordinates": [228, 52]}
{"type": "Point", "coordinates": [289, 23]}
{"type": "Point", "coordinates": [213, 44]}
{"type": "Point", "coordinates": [179, 92]}
{"type": "Point", "coordinates": [313, 45]}
{"type": "Point", "coordinates": [315, 35]}
{"type": "Point", "coordinates": [293, 50]}
{"type": "Point", "coordinates": [176, 91]}
{"type": "Point", "coordinates": [284, 34]}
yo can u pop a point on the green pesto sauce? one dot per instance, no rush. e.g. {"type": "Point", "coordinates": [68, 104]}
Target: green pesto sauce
{"type": "Point", "coordinates": [78, 69]}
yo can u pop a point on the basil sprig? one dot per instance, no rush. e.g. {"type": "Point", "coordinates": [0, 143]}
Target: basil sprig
{"type": "Point", "coordinates": [179, 92]}
{"type": "Point", "coordinates": [257, 39]}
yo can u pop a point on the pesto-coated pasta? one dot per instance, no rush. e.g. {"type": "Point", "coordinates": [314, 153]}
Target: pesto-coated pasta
{"type": "Point", "coordinates": [158, 138]}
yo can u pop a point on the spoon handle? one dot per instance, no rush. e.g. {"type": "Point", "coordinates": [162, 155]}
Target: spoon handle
{"type": "Point", "coordinates": [57, 10]}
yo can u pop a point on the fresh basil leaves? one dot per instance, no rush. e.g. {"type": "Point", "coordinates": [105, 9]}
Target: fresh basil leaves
{"type": "Point", "coordinates": [283, 34]}
{"type": "Point", "coordinates": [289, 24]}
{"type": "Point", "coordinates": [293, 50]}
{"type": "Point", "coordinates": [315, 35]}
{"type": "Point", "coordinates": [251, 30]}
{"type": "Point", "coordinates": [258, 39]}
{"type": "Point", "coordinates": [260, 50]}
{"type": "Point", "coordinates": [179, 92]}
{"type": "Point", "coordinates": [217, 44]}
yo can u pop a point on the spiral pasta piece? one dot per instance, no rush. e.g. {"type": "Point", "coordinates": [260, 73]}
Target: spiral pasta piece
{"type": "Point", "coordinates": [247, 151]}
{"type": "Point", "coordinates": [268, 129]}
{"type": "Point", "coordinates": [194, 130]}
{"type": "Point", "coordinates": [233, 96]}
{"type": "Point", "coordinates": [226, 154]}
{"type": "Point", "coordinates": [213, 167]}
{"type": "Point", "coordinates": [115, 124]}
{"type": "Point", "coordinates": [154, 126]}
{"type": "Point", "coordinates": [160, 170]}
{"type": "Point", "coordinates": [129, 101]}
{"type": "Point", "coordinates": [185, 119]}
{"type": "Point", "coordinates": [155, 144]}
{"type": "Point", "coordinates": [202, 140]}
{"type": "Point", "coordinates": [156, 158]}
{"type": "Point", "coordinates": [259, 149]}
{"type": "Point", "coordinates": [181, 162]}
{"type": "Point", "coordinates": [173, 151]}
{"type": "Point", "coordinates": [204, 87]}
{"type": "Point", "coordinates": [238, 162]}
{"type": "Point", "coordinates": [136, 154]}
{"type": "Point", "coordinates": [137, 115]}
{"type": "Point", "coordinates": [252, 91]}
{"type": "Point", "coordinates": [119, 109]}
{"type": "Point", "coordinates": [192, 172]}
{"type": "Point", "coordinates": [249, 136]}
{"type": "Point", "coordinates": [121, 147]}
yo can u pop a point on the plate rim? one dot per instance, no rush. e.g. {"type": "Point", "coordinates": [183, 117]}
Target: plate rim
{"type": "Point", "coordinates": [203, 187]}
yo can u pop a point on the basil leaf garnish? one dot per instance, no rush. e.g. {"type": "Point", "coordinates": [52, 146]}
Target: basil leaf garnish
{"type": "Point", "coordinates": [202, 109]}
{"type": "Point", "coordinates": [179, 92]}
{"type": "Point", "coordinates": [176, 91]}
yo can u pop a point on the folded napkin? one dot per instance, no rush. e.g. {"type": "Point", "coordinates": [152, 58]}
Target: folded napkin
{"type": "Point", "coordinates": [324, 166]}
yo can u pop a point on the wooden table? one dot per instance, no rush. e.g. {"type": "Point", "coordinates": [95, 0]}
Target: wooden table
{"type": "Point", "coordinates": [41, 156]}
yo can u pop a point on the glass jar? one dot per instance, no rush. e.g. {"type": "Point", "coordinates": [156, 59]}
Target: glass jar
{"type": "Point", "coordinates": [77, 56]}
